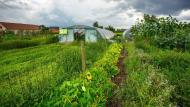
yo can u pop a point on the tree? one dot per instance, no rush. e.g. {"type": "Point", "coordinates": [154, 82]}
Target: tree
{"type": "Point", "coordinates": [44, 29]}
{"type": "Point", "coordinates": [111, 28]}
{"type": "Point", "coordinates": [95, 24]}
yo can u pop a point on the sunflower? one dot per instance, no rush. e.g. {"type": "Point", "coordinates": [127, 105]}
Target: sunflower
{"type": "Point", "coordinates": [88, 76]}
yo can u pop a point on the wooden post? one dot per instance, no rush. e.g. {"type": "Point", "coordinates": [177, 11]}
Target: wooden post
{"type": "Point", "coordinates": [83, 56]}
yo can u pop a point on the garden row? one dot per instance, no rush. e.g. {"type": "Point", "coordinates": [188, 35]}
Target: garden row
{"type": "Point", "coordinates": [29, 76]}
{"type": "Point", "coordinates": [92, 87]}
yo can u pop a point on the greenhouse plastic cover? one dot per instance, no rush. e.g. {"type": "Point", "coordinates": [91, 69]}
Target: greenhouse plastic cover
{"type": "Point", "coordinates": [127, 33]}
{"type": "Point", "coordinates": [106, 34]}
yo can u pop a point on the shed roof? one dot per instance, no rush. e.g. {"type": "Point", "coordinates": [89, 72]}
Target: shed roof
{"type": "Point", "coordinates": [19, 26]}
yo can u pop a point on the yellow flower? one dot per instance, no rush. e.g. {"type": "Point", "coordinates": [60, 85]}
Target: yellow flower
{"type": "Point", "coordinates": [88, 76]}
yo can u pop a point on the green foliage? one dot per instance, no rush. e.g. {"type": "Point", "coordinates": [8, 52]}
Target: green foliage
{"type": "Point", "coordinates": [52, 39]}
{"type": "Point", "coordinates": [91, 88]}
{"type": "Point", "coordinates": [111, 28]}
{"type": "Point", "coordinates": [95, 24]}
{"type": "Point", "coordinates": [118, 39]}
{"type": "Point", "coordinates": [176, 67]}
{"type": "Point", "coordinates": [28, 76]}
{"type": "Point", "coordinates": [145, 85]}
{"type": "Point", "coordinates": [31, 76]}
{"type": "Point", "coordinates": [166, 33]}
{"type": "Point", "coordinates": [19, 43]}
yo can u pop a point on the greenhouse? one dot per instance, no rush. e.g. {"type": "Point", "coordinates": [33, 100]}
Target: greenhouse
{"type": "Point", "coordinates": [127, 33]}
{"type": "Point", "coordinates": [83, 32]}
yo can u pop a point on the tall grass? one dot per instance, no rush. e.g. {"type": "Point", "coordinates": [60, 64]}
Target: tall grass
{"type": "Point", "coordinates": [145, 85]}
{"type": "Point", "coordinates": [29, 42]}
{"type": "Point", "coordinates": [176, 66]}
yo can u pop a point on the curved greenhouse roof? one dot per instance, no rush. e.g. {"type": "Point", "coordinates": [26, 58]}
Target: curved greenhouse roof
{"type": "Point", "coordinates": [106, 34]}
{"type": "Point", "coordinates": [127, 33]}
{"type": "Point", "coordinates": [80, 27]}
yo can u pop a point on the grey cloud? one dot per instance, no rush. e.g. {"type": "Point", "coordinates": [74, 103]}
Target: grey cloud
{"type": "Point", "coordinates": [62, 18]}
{"type": "Point", "coordinates": [13, 4]}
{"type": "Point", "coordinates": [156, 7]}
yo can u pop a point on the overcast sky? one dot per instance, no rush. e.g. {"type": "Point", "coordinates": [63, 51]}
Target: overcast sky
{"type": "Point", "coordinates": [119, 13]}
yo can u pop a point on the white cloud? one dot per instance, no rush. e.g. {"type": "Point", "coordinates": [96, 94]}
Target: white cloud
{"type": "Point", "coordinates": [184, 15]}
{"type": "Point", "coordinates": [68, 12]}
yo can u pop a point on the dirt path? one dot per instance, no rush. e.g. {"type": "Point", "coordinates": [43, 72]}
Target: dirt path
{"type": "Point", "coordinates": [118, 80]}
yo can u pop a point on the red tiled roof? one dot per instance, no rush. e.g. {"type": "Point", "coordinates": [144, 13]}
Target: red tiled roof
{"type": "Point", "coordinates": [19, 26]}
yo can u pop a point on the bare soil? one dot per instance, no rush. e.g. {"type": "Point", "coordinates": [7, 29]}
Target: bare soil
{"type": "Point", "coordinates": [118, 80]}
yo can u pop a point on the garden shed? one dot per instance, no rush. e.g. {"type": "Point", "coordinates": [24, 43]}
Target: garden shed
{"type": "Point", "coordinates": [86, 33]}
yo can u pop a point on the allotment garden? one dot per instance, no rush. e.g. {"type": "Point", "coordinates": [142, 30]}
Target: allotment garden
{"type": "Point", "coordinates": [149, 69]}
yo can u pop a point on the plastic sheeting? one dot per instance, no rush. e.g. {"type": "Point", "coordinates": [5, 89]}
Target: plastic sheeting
{"type": "Point", "coordinates": [67, 38]}
{"type": "Point", "coordinates": [91, 36]}
{"type": "Point", "coordinates": [127, 33]}
{"type": "Point", "coordinates": [105, 34]}
{"type": "Point", "coordinates": [91, 33]}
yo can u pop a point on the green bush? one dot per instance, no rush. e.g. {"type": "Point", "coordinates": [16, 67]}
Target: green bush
{"type": "Point", "coordinates": [166, 33]}
{"type": "Point", "coordinates": [52, 39]}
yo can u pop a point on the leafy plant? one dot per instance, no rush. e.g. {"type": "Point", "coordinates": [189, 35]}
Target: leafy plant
{"type": "Point", "coordinates": [166, 32]}
{"type": "Point", "coordinates": [91, 88]}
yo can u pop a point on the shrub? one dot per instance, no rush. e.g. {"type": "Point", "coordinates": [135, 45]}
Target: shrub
{"type": "Point", "coordinates": [52, 39]}
{"type": "Point", "coordinates": [166, 32]}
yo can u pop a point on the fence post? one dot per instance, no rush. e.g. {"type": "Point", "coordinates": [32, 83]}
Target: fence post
{"type": "Point", "coordinates": [83, 56]}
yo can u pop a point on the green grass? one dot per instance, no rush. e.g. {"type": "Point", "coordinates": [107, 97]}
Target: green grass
{"type": "Point", "coordinates": [176, 66]}
{"type": "Point", "coordinates": [15, 42]}
{"type": "Point", "coordinates": [30, 75]}
{"type": "Point", "coordinates": [145, 85]}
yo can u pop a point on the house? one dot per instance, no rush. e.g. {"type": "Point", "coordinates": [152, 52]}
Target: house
{"type": "Point", "coordinates": [87, 33]}
{"type": "Point", "coordinates": [54, 30]}
{"type": "Point", "coordinates": [18, 28]}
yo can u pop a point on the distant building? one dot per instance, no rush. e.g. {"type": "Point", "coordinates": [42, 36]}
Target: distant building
{"type": "Point", "coordinates": [87, 33]}
{"type": "Point", "coordinates": [54, 29]}
{"type": "Point", "coordinates": [18, 28]}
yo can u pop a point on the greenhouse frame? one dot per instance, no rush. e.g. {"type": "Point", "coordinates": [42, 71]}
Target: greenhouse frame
{"type": "Point", "coordinates": [86, 33]}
